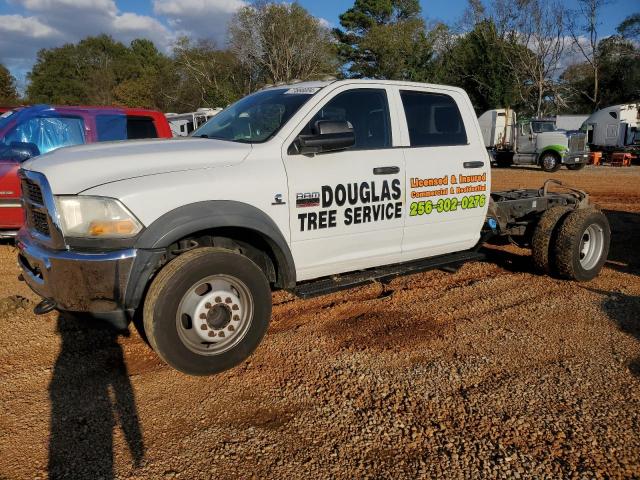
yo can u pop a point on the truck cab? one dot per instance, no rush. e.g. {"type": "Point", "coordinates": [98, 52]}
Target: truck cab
{"type": "Point", "coordinates": [27, 132]}
{"type": "Point", "coordinates": [309, 187]}
{"type": "Point", "coordinates": [536, 141]}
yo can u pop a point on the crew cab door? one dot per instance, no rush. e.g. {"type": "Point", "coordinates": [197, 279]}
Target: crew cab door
{"type": "Point", "coordinates": [447, 172]}
{"type": "Point", "coordinates": [346, 207]}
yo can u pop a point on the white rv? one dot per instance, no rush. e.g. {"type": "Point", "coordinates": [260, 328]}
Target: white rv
{"type": "Point", "coordinates": [182, 124]}
{"type": "Point", "coordinates": [615, 128]}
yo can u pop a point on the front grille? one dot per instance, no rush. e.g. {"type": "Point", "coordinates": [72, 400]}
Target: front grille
{"type": "Point", "coordinates": [578, 142]}
{"type": "Point", "coordinates": [32, 192]}
{"type": "Point", "coordinates": [39, 222]}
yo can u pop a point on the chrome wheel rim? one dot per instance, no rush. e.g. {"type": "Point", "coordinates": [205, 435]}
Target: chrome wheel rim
{"type": "Point", "coordinates": [214, 314]}
{"type": "Point", "coordinates": [591, 246]}
{"type": "Point", "coordinates": [549, 162]}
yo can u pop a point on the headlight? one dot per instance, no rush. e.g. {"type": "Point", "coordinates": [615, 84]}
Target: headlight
{"type": "Point", "coordinates": [96, 217]}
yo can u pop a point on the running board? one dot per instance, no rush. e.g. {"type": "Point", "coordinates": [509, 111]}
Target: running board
{"type": "Point", "coordinates": [315, 288]}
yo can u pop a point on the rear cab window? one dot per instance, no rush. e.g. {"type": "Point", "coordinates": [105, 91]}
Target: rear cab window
{"type": "Point", "coordinates": [141, 127]}
{"type": "Point", "coordinates": [433, 119]}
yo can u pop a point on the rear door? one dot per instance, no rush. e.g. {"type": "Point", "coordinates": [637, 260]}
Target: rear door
{"type": "Point", "coordinates": [447, 172]}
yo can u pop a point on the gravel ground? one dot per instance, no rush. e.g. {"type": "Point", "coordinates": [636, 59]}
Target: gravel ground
{"type": "Point", "coordinates": [492, 371]}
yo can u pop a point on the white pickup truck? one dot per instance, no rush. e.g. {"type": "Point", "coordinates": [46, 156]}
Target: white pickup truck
{"type": "Point", "coordinates": [310, 187]}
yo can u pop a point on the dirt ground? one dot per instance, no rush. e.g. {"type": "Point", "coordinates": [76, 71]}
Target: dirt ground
{"type": "Point", "coordinates": [493, 371]}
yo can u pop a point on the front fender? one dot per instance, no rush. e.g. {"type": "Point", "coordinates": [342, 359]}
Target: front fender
{"type": "Point", "coordinates": [201, 216]}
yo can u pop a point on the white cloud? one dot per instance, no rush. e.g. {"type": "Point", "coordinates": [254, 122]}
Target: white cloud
{"type": "Point", "coordinates": [199, 18]}
{"type": "Point", "coordinates": [51, 23]}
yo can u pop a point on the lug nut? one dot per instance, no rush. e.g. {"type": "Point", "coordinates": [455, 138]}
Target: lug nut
{"type": "Point", "coordinates": [203, 326]}
{"type": "Point", "coordinates": [221, 334]}
{"type": "Point", "coordinates": [212, 334]}
{"type": "Point", "coordinates": [203, 316]}
{"type": "Point", "coordinates": [235, 307]}
{"type": "Point", "coordinates": [236, 317]}
{"type": "Point", "coordinates": [228, 300]}
{"type": "Point", "coordinates": [218, 299]}
{"type": "Point", "coordinates": [207, 305]}
{"type": "Point", "coordinates": [231, 328]}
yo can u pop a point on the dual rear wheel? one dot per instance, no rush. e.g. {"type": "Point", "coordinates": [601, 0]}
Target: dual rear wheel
{"type": "Point", "coordinates": [573, 244]}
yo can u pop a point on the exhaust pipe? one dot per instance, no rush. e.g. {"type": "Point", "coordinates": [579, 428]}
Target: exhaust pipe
{"type": "Point", "coordinates": [45, 306]}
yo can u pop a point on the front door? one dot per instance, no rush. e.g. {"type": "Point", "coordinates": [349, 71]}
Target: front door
{"type": "Point", "coordinates": [346, 207]}
{"type": "Point", "coordinates": [526, 139]}
{"type": "Point", "coordinates": [447, 171]}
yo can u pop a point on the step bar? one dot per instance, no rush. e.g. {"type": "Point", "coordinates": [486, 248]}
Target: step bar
{"type": "Point", "coordinates": [335, 283]}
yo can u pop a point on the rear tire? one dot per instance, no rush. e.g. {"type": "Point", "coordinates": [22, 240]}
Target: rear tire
{"type": "Point", "coordinates": [582, 244]}
{"type": "Point", "coordinates": [550, 162]}
{"type": "Point", "coordinates": [207, 310]}
{"type": "Point", "coordinates": [577, 166]}
{"type": "Point", "coordinates": [544, 237]}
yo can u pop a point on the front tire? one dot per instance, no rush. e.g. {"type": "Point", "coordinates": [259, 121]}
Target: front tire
{"type": "Point", "coordinates": [550, 162]}
{"type": "Point", "coordinates": [582, 244]}
{"type": "Point", "coordinates": [207, 310]}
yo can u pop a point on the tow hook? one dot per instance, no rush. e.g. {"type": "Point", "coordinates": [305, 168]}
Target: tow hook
{"type": "Point", "coordinates": [45, 306]}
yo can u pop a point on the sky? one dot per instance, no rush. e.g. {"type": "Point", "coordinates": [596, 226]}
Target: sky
{"type": "Point", "coordinates": [29, 25]}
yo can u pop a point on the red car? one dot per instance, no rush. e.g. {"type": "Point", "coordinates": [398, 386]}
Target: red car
{"type": "Point", "coordinates": [29, 131]}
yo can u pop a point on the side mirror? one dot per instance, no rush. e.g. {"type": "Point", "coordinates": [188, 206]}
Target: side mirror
{"type": "Point", "coordinates": [20, 151]}
{"type": "Point", "coordinates": [327, 136]}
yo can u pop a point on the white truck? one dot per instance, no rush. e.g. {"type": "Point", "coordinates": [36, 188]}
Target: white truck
{"type": "Point", "coordinates": [311, 187]}
{"type": "Point", "coordinates": [531, 141]}
{"type": "Point", "coordinates": [614, 129]}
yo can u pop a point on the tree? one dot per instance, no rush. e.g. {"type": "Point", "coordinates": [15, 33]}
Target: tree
{"type": "Point", "coordinates": [534, 49]}
{"type": "Point", "coordinates": [100, 71]}
{"type": "Point", "coordinates": [8, 91]}
{"type": "Point", "coordinates": [630, 27]}
{"type": "Point", "coordinates": [476, 61]}
{"type": "Point", "coordinates": [583, 22]}
{"type": "Point", "coordinates": [385, 39]}
{"type": "Point", "coordinates": [280, 42]}
{"type": "Point", "coordinates": [204, 76]}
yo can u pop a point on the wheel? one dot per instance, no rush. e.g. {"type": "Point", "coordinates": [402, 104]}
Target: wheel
{"type": "Point", "coordinates": [582, 244]}
{"type": "Point", "coordinates": [207, 310]}
{"type": "Point", "coordinates": [550, 161]}
{"type": "Point", "coordinates": [544, 238]}
{"type": "Point", "coordinates": [577, 166]}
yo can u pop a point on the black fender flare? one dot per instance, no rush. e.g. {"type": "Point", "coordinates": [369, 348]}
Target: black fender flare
{"type": "Point", "coordinates": [197, 217]}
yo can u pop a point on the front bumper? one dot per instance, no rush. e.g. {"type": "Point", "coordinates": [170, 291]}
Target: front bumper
{"type": "Point", "coordinates": [93, 283]}
{"type": "Point", "coordinates": [571, 158]}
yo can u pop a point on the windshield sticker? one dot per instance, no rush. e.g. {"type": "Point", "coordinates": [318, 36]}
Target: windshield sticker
{"type": "Point", "coordinates": [302, 90]}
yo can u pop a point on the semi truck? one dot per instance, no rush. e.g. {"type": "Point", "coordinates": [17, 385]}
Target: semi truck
{"type": "Point", "coordinates": [183, 124]}
{"type": "Point", "coordinates": [537, 141]}
{"type": "Point", "coordinates": [614, 129]}
{"type": "Point", "coordinates": [312, 188]}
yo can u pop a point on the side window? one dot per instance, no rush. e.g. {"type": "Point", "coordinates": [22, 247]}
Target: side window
{"type": "Point", "coordinates": [111, 127]}
{"type": "Point", "coordinates": [48, 133]}
{"type": "Point", "coordinates": [367, 110]}
{"type": "Point", "coordinates": [433, 119]}
{"type": "Point", "coordinates": [141, 127]}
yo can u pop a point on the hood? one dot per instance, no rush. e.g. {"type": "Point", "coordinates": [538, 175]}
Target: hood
{"type": "Point", "coordinates": [74, 169]}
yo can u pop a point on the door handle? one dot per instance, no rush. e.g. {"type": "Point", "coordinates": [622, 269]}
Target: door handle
{"type": "Point", "coordinates": [386, 170]}
{"type": "Point", "coordinates": [476, 164]}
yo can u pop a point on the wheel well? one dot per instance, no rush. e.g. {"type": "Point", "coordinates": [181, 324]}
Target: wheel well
{"type": "Point", "coordinates": [552, 152]}
{"type": "Point", "coordinates": [254, 245]}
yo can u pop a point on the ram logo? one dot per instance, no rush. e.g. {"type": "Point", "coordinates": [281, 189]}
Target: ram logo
{"type": "Point", "coordinates": [308, 199]}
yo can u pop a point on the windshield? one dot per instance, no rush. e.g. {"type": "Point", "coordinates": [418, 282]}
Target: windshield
{"type": "Point", "coordinates": [256, 118]}
{"type": "Point", "coordinates": [539, 127]}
